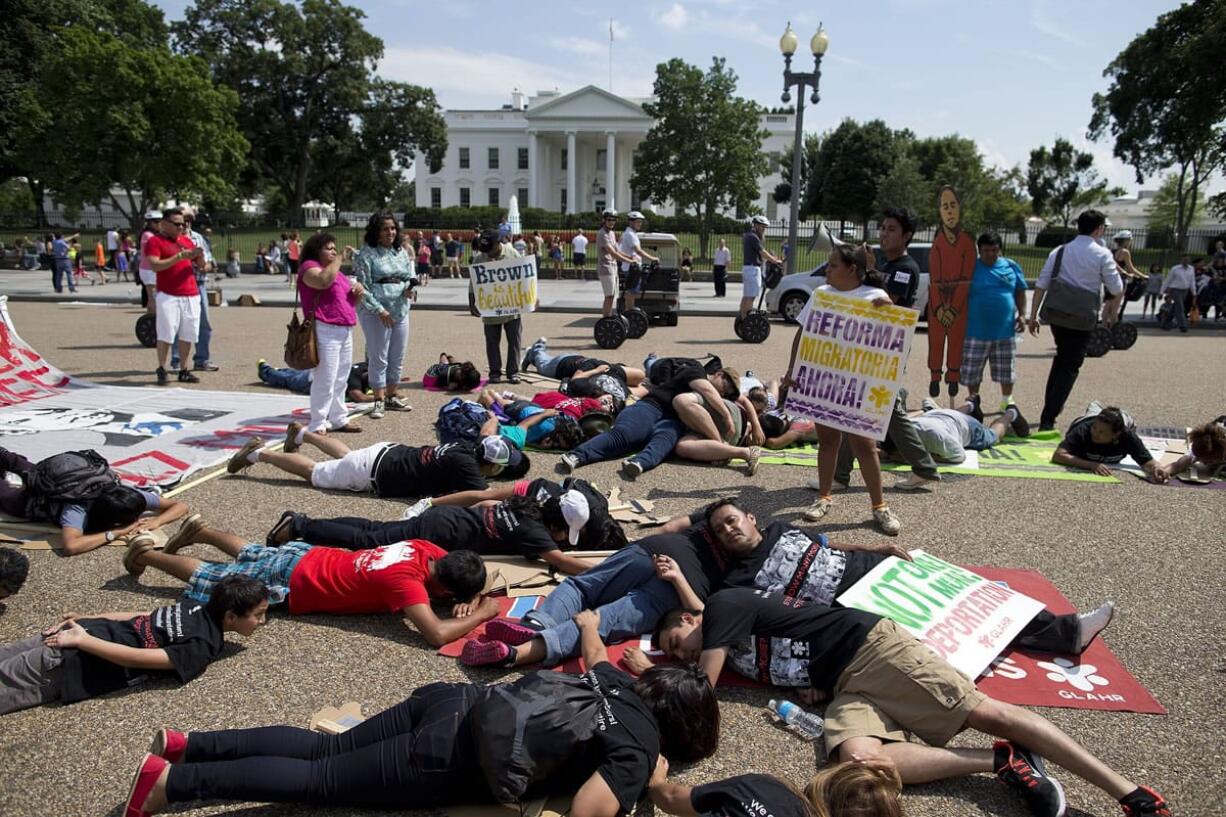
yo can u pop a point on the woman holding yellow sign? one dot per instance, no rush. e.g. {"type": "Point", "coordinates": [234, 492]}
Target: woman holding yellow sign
{"type": "Point", "coordinates": [845, 276]}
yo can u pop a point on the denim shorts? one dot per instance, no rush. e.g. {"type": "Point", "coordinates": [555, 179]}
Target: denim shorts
{"type": "Point", "coordinates": [982, 437]}
{"type": "Point", "coordinates": [272, 566]}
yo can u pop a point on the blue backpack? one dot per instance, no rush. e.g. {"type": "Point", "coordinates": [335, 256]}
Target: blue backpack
{"type": "Point", "coordinates": [460, 420]}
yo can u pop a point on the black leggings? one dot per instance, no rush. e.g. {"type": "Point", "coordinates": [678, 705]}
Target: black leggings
{"type": "Point", "coordinates": [417, 754]}
{"type": "Point", "coordinates": [447, 526]}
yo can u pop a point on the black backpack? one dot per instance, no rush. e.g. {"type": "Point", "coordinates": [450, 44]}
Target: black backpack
{"type": "Point", "coordinates": [460, 420]}
{"type": "Point", "coordinates": [72, 477]}
{"type": "Point", "coordinates": [527, 730]}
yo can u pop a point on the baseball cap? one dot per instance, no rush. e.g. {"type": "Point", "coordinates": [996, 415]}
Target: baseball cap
{"type": "Point", "coordinates": [576, 512]}
{"type": "Point", "coordinates": [497, 451]}
{"type": "Point", "coordinates": [153, 215]}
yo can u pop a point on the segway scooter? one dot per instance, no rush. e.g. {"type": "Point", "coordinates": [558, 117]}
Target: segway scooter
{"type": "Point", "coordinates": [147, 330]}
{"type": "Point", "coordinates": [611, 331]}
{"type": "Point", "coordinates": [755, 327]}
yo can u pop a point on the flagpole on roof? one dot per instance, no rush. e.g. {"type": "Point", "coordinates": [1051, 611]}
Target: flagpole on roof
{"type": "Point", "coordinates": [610, 55]}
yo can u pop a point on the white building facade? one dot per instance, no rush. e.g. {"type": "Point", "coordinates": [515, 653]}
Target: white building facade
{"type": "Point", "coordinates": [568, 153]}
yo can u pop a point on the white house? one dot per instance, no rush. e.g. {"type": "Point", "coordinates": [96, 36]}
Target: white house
{"type": "Point", "coordinates": [565, 152]}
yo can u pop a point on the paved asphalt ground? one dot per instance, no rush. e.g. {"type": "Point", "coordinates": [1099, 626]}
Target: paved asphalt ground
{"type": "Point", "coordinates": [1155, 551]}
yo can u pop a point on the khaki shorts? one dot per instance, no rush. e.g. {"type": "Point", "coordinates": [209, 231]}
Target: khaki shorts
{"type": "Point", "coordinates": [737, 435]}
{"type": "Point", "coordinates": [895, 685]}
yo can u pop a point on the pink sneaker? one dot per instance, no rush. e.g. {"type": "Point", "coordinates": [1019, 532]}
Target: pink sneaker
{"type": "Point", "coordinates": [509, 631]}
{"type": "Point", "coordinates": [169, 744]}
{"type": "Point", "coordinates": [147, 774]}
{"type": "Point", "coordinates": [487, 653]}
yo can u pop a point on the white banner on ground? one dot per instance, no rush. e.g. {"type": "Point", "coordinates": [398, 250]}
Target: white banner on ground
{"type": "Point", "coordinates": [151, 436]}
{"type": "Point", "coordinates": [850, 363]}
{"type": "Point", "coordinates": [506, 287]}
{"type": "Point", "coordinates": [961, 616]}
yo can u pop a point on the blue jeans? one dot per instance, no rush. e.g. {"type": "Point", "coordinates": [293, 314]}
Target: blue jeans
{"type": "Point", "coordinates": [641, 428]}
{"type": "Point", "coordinates": [385, 346]}
{"type": "Point", "coordinates": [61, 269]}
{"type": "Point", "coordinates": [982, 437]}
{"type": "Point", "coordinates": [544, 362]}
{"type": "Point", "coordinates": [296, 381]}
{"type": "Point", "coordinates": [201, 356]}
{"type": "Point", "coordinates": [625, 591]}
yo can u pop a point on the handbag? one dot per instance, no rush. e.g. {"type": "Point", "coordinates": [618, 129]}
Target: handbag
{"type": "Point", "coordinates": [1068, 306]}
{"type": "Point", "coordinates": [301, 353]}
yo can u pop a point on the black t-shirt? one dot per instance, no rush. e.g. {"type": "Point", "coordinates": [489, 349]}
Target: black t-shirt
{"type": "Point", "coordinates": [702, 565]}
{"type": "Point", "coordinates": [570, 364]}
{"type": "Point", "coordinates": [623, 751]}
{"type": "Point", "coordinates": [901, 279]}
{"type": "Point", "coordinates": [747, 795]}
{"type": "Point", "coordinates": [673, 380]}
{"type": "Point", "coordinates": [859, 563]}
{"type": "Point", "coordinates": [490, 531]}
{"type": "Point", "coordinates": [359, 380]}
{"type": "Point", "coordinates": [431, 470]}
{"type": "Point", "coordinates": [782, 641]}
{"type": "Point", "coordinates": [190, 638]}
{"type": "Point", "coordinates": [1079, 442]}
{"type": "Point", "coordinates": [751, 248]}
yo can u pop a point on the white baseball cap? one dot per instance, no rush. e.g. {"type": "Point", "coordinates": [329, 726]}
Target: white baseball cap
{"type": "Point", "coordinates": [575, 511]}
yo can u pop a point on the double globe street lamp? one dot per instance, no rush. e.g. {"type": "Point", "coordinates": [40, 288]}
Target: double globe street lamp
{"type": "Point", "coordinates": [788, 44]}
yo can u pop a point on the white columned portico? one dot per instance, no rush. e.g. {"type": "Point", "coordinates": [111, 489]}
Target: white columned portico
{"type": "Point", "coordinates": [571, 161]}
{"type": "Point", "coordinates": [610, 170]}
{"type": "Point", "coordinates": [532, 169]}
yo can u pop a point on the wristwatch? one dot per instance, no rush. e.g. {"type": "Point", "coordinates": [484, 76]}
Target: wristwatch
{"type": "Point", "coordinates": [110, 536]}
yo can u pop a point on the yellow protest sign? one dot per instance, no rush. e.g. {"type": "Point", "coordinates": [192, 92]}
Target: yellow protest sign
{"type": "Point", "coordinates": [850, 362]}
{"type": "Point", "coordinates": [506, 287]}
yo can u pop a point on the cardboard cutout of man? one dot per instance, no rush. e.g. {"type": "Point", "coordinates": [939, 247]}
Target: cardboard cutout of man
{"type": "Point", "coordinates": [951, 265]}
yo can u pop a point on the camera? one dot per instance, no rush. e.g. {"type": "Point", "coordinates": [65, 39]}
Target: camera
{"type": "Point", "coordinates": [486, 241]}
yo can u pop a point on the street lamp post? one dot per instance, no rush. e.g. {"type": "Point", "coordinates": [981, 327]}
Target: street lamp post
{"type": "Point", "coordinates": [787, 45]}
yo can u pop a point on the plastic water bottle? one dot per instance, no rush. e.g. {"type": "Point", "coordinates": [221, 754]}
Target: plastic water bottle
{"type": "Point", "coordinates": [805, 724]}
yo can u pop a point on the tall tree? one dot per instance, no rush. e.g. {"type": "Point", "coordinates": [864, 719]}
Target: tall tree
{"type": "Point", "coordinates": [904, 185]}
{"type": "Point", "coordinates": [704, 151]}
{"type": "Point", "coordinates": [304, 75]}
{"type": "Point", "coordinates": [808, 158]}
{"type": "Point", "coordinates": [1062, 179]}
{"type": "Point", "coordinates": [1165, 102]}
{"type": "Point", "coordinates": [850, 165]}
{"type": "Point", "coordinates": [1164, 209]}
{"type": "Point", "coordinates": [141, 119]}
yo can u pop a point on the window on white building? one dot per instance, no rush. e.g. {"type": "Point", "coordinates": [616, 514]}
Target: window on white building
{"type": "Point", "coordinates": [563, 207]}
{"type": "Point", "coordinates": [523, 159]}
{"type": "Point", "coordinates": [600, 158]}
{"type": "Point", "coordinates": [493, 158]}
{"type": "Point", "coordinates": [464, 158]}
{"type": "Point", "coordinates": [493, 197]}
{"type": "Point", "coordinates": [436, 197]}
{"type": "Point", "coordinates": [466, 197]}
{"type": "Point", "coordinates": [564, 158]}
{"type": "Point", "coordinates": [436, 165]}
{"type": "Point", "coordinates": [522, 193]}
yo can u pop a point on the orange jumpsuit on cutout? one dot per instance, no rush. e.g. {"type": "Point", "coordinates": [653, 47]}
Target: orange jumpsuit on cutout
{"type": "Point", "coordinates": [950, 269]}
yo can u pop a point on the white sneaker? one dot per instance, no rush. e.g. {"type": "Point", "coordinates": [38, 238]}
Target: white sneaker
{"type": "Point", "coordinates": [417, 508]}
{"type": "Point", "coordinates": [568, 463]}
{"type": "Point", "coordinates": [376, 413]}
{"type": "Point", "coordinates": [836, 486]}
{"type": "Point", "coordinates": [818, 509]}
{"type": "Point", "coordinates": [887, 521]}
{"type": "Point", "coordinates": [631, 469]}
{"type": "Point", "coordinates": [395, 403]}
{"type": "Point", "coordinates": [751, 464]}
{"type": "Point", "coordinates": [916, 482]}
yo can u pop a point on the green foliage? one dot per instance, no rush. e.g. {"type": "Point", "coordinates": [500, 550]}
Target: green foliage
{"type": "Point", "coordinates": [143, 119]}
{"type": "Point", "coordinates": [905, 186]}
{"type": "Point", "coordinates": [1062, 180]}
{"type": "Point", "coordinates": [1164, 209]}
{"type": "Point", "coordinates": [704, 151]}
{"type": "Point", "coordinates": [808, 160]}
{"type": "Point", "coordinates": [1164, 106]}
{"type": "Point", "coordinates": [850, 164]}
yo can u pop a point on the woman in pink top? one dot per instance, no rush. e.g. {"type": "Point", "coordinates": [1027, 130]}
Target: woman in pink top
{"type": "Point", "coordinates": [328, 295]}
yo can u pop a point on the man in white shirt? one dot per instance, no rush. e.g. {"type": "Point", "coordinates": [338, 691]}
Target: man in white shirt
{"type": "Point", "coordinates": [633, 249]}
{"type": "Point", "coordinates": [1179, 281]}
{"type": "Point", "coordinates": [112, 248]}
{"type": "Point", "coordinates": [1089, 265]}
{"type": "Point", "coordinates": [578, 247]}
{"type": "Point", "coordinates": [719, 268]}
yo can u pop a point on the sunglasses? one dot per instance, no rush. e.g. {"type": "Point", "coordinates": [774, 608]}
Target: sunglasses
{"type": "Point", "coordinates": [175, 223]}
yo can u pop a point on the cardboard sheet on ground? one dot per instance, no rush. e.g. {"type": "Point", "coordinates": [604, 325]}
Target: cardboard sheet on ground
{"type": "Point", "coordinates": [1023, 458]}
{"type": "Point", "coordinates": [45, 536]}
{"type": "Point", "coordinates": [522, 577]}
{"type": "Point", "coordinates": [150, 436]}
{"type": "Point", "coordinates": [333, 720]}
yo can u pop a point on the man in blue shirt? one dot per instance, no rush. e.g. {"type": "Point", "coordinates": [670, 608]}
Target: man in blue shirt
{"type": "Point", "coordinates": [61, 264]}
{"type": "Point", "coordinates": [995, 310]}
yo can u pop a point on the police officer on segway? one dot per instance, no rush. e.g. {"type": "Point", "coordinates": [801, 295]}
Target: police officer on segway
{"type": "Point", "coordinates": [753, 325]}
{"type": "Point", "coordinates": [612, 329]}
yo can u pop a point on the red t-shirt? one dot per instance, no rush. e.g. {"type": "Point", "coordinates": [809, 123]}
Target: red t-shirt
{"type": "Point", "coordinates": [574, 406]}
{"type": "Point", "coordinates": [380, 580]}
{"type": "Point", "coordinates": [177, 279]}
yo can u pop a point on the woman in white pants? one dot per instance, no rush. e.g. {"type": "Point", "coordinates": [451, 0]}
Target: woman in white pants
{"type": "Point", "coordinates": [329, 295]}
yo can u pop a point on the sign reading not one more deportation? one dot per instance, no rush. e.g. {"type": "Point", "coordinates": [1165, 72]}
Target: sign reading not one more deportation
{"type": "Point", "coordinates": [850, 363]}
{"type": "Point", "coordinates": [961, 616]}
{"type": "Point", "coordinates": [506, 287]}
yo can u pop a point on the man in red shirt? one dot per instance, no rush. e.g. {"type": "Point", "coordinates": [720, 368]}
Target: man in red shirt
{"type": "Point", "coordinates": [400, 578]}
{"type": "Point", "coordinates": [170, 254]}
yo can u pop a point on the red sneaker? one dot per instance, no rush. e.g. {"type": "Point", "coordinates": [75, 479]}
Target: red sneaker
{"type": "Point", "coordinates": [147, 774]}
{"type": "Point", "coordinates": [169, 744]}
{"type": "Point", "coordinates": [487, 653]}
{"type": "Point", "coordinates": [1145, 802]}
{"type": "Point", "coordinates": [509, 631]}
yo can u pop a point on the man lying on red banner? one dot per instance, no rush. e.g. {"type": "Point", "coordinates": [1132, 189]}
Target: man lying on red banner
{"type": "Point", "coordinates": [78, 491]}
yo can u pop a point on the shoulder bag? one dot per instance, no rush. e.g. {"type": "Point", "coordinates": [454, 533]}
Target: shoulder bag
{"type": "Point", "coordinates": [301, 353]}
{"type": "Point", "coordinates": [1068, 306]}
